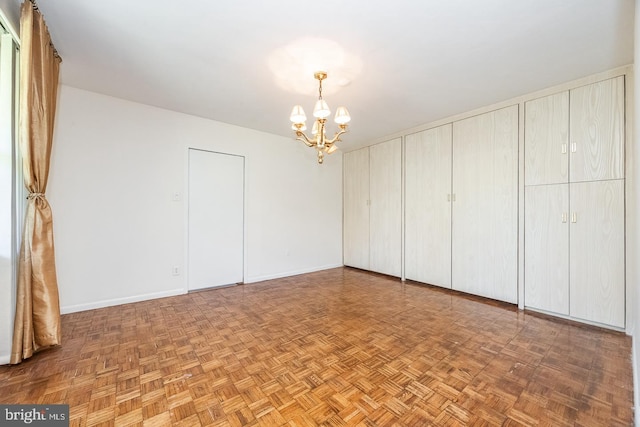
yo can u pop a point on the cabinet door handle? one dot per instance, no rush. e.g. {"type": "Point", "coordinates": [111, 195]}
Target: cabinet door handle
{"type": "Point", "coordinates": [564, 148]}
{"type": "Point", "coordinates": [574, 217]}
{"type": "Point", "coordinates": [448, 197]}
{"type": "Point", "coordinates": [564, 216]}
{"type": "Point", "coordinates": [574, 147]}
{"type": "Point", "coordinates": [453, 197]}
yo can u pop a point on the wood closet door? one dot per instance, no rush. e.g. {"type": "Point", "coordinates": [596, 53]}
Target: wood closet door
{"type": "Point", "coordinates": [386, 207]}
{"type": "Point", "coordinates": [597, 282]}
{"type": "Point", "coordinates": [356, 208]}
{"type": "Point", "coordinates": [597, 131]}
{"type": "Point", "coordinates": [546, 248]}
{"type": "Point", "coordinates": [546, 140]}
{"type": "Point", "coordinates": [428, 206]}
{"type": "Point", "coordinates": [485, 210]}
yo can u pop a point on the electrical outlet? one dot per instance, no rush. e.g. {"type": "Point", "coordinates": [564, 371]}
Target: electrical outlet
{"type": "Point", "coordinates": [175, 271]}
{"type": "Point", "coordinates": [176, 196]}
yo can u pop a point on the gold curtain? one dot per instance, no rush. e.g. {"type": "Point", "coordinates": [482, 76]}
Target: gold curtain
{"type": "Point", "coordinates": [37, 321]}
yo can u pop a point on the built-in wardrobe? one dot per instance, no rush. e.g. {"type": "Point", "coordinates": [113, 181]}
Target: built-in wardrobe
{"type": "Point", "coordinates": [524, 203]}
{"type": "Point", "coordinates": [574, 203]}
{"type": "Point", "coordinates": [461, 198]}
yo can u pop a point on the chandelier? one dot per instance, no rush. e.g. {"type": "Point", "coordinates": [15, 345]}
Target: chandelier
{"type": "Point", "coordinates": [321, 111]}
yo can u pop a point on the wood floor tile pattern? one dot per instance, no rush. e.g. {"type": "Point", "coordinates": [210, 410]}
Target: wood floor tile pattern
{"type": "Point", "coordinates": [340, 347]}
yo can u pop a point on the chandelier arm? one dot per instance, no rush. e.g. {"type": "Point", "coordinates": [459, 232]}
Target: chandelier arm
{"type": "Point", "coordinates": [302, 137]}
{"type": "Point", "coordinates": [336, 137]}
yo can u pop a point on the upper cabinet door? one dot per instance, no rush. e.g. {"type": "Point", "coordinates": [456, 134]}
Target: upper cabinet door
{"type": "Point", "coordinates": [356, 208]}
{"type": "Point", "coordinates": [597, 131]}
{"type": "Point", "coordinates": [386, 207]}
{"type": "Point", "coordinates": [546, 140]}
{"type": "Point", "coordinates": [428, 206]}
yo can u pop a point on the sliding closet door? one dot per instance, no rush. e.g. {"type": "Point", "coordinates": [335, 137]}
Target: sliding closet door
{"type": "Point", "coordinates": [485, 210]}
{"type": "Point", "coordinates": [216, 219]}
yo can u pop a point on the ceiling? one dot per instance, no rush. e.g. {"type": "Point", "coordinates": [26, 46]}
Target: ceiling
{"type": "Point", "coordinates": [393, 64]}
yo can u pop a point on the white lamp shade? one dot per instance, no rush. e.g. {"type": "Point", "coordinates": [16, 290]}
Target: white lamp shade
{"type": "Point", "coordinates": [298, 115]}
{"type": "Point", "coordinates": [332, 149]}
{"type": "Point", "coordinates": [321, 110]}
{"type": "Point", "coordinates": [342, 116]}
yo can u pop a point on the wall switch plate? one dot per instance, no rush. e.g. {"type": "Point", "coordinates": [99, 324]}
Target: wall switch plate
{"type": "Point", "coordinates": [175, 271]}
{"type": "Point", "coordinates": [176, 196]}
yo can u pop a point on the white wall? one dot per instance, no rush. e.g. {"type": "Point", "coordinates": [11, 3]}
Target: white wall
{"type": "Point", "coordinates": [118, 233]}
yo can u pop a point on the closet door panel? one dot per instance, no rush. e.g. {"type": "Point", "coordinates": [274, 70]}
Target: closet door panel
{"type": "Point", "coordinates": [428, 206]}
{"type": "Point", "coordinates": [546, 140]}
{"type": "Point", "coordinates": [597, 282]}
{"type": "Point", "coordinates": [597, 131]}
{"type": "Point", "coordinates": [386, 207]}
{"type": "Point", "coordinates": [356, 208]}
{"type": "Point", "coordinates": [546, 240]}
{"type": "Point", "coordinates": [485, 210]}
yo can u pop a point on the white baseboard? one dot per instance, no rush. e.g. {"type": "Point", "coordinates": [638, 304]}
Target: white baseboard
{"type": "Point", "coordinates": [145, 297]}
{"type": "Point", "coordinates": [254, 279]}
{"type": "Point", "coordinates": [118, 301]}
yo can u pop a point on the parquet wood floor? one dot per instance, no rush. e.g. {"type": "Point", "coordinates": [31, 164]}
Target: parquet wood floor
{"type": "Point", "coordinates": [340, 347]}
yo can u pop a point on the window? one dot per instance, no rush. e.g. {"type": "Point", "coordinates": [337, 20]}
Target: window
{"type": "Point", "coordinates": [12, 193]}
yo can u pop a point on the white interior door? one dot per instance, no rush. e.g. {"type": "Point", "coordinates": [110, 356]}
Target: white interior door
{"type": "Point", "coordinates": [216, 219]}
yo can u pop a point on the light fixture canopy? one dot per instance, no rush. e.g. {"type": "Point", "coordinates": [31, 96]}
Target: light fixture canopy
{"type": "Point", "coordinates": [321, 111]}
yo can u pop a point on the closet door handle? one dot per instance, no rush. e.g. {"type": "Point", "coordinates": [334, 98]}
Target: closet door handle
{"type": "Point", "coordinates": [448, 197]}
{"type": "Point", "coordinates": [563, 148]}
{"type": "Point", "coordinates": [574, 147]}
{"type": "Point", "coordinates": [564, 216]}
{"type": "Point", "coordinates": [574, 217]}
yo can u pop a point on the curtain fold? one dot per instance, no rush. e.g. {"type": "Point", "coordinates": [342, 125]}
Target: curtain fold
{"type": "Point", "coordinates": [37, 319]}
